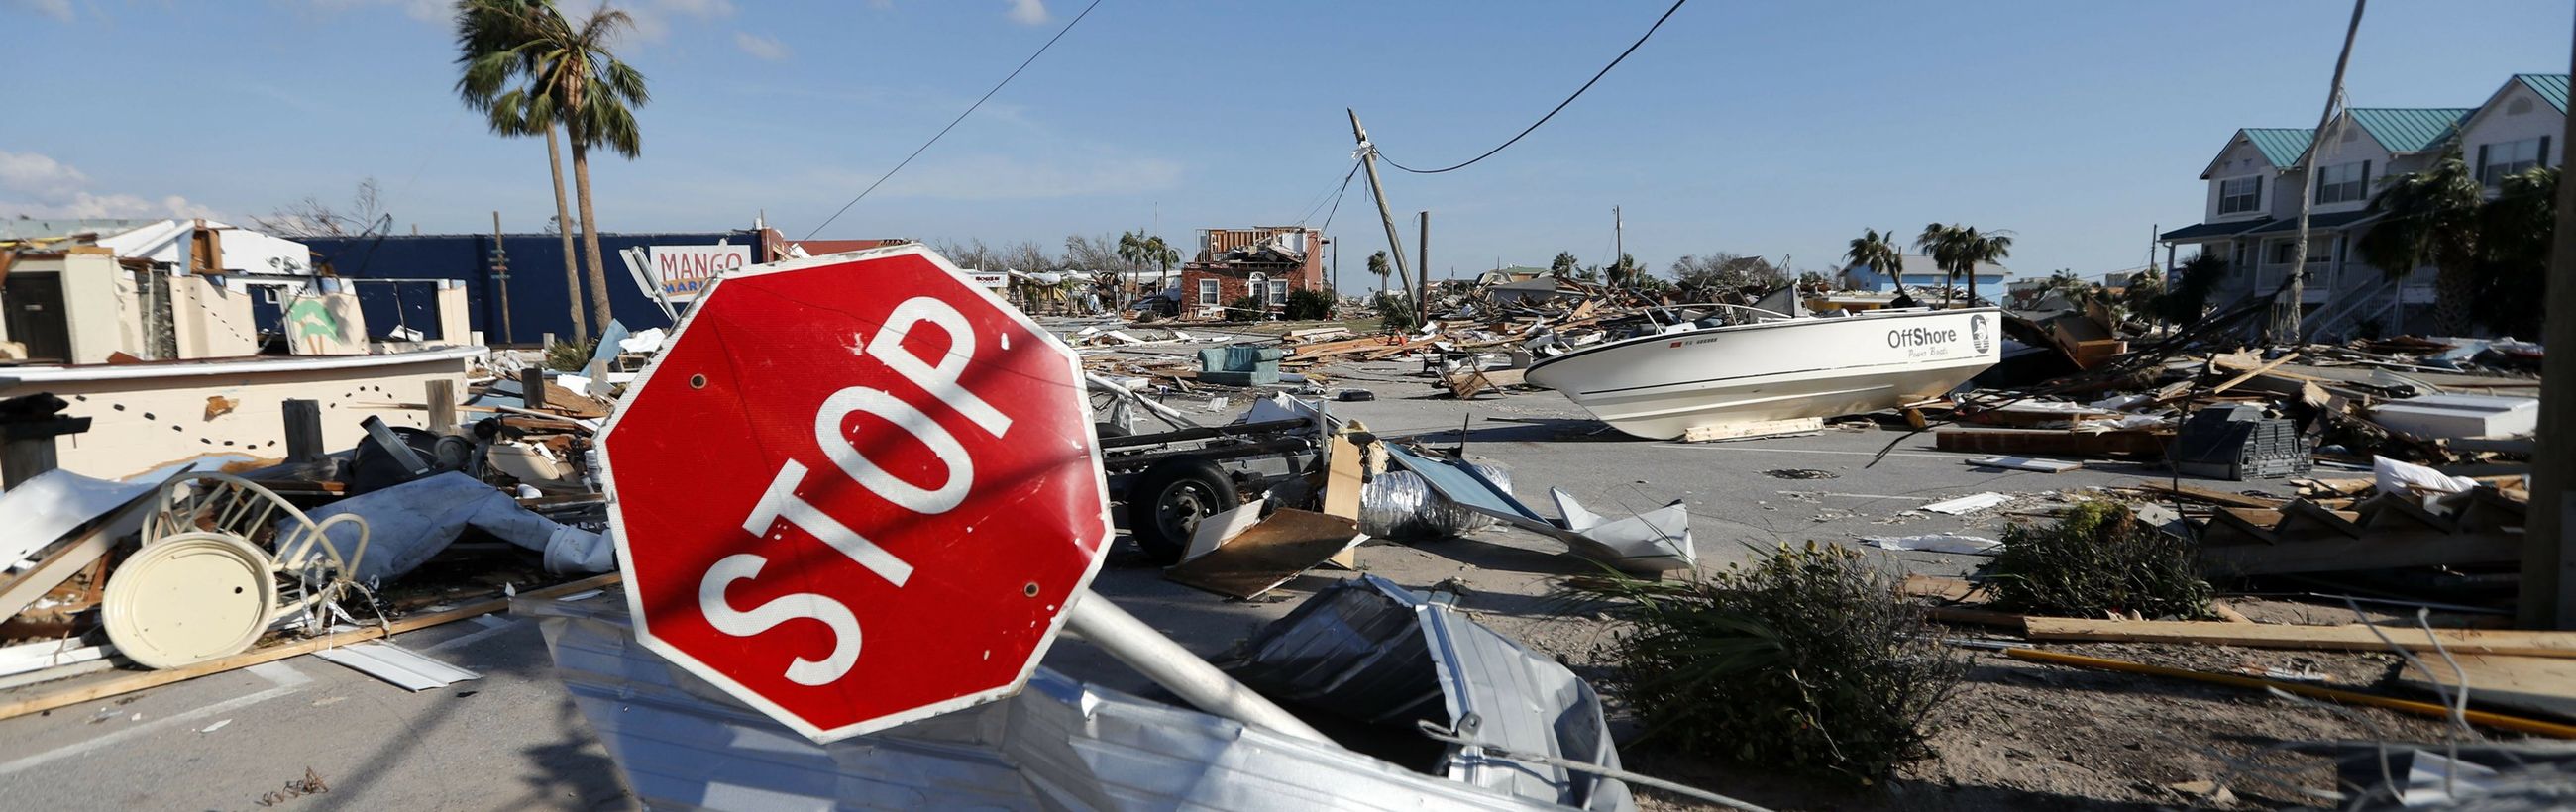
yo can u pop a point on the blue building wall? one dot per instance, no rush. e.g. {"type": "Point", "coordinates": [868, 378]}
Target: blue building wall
{"type": "Point", "coordinates": [539, 299]}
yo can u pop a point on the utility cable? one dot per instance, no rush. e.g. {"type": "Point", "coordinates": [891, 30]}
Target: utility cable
{"type": "Point", "coordinates": [1560, 106]}
{"type": "Point", "coordinates": [952, 123]}
{"type": "Point", "coordinates": [1327, 227]}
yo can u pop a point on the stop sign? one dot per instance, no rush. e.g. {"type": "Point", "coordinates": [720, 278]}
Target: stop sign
{"type": "Point", "coordinates": [854, 491]}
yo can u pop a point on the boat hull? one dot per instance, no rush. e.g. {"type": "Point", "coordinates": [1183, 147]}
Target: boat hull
{"type": "Point", "coordinates": [1660, 387]}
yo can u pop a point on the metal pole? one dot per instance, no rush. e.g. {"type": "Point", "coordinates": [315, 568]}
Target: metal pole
{"type": "Point", "coordinates": [2549, 549]}
{"type": "Point", "coordinates": [1618, 244]}
{"type": "Point", "coordinates": [2285, 315]}
{"type": "Point", "coordinates": [1368, 160]}
{"type": "Point", "coordinates": [1177, 670]}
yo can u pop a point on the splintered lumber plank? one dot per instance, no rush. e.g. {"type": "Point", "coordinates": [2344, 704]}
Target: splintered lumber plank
{"type": "Point", "coordinates": [130, 683]}
{"type": "Point", "coordinates": [1953, 590]}
{"type": "Point", "coordinates": [1342, 487]}
{"type": "Point", "coordinates": [2374, 550]}
{"type": "Point", "coordinates": [2249, 374]}
{"type": "Point", "coordinates": [2542, 685]}
{"type": "Point", "coordinates": [2333, 638]}
{"type": "Point", "coordinates": [2033, 442]}
{"type": "Point", "coordinates": [2214, 496]}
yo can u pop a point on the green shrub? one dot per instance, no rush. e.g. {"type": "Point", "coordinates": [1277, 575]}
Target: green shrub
{"type": "Point", "coordinates": [2096, 559]}
{"type": "Point", "coordinates": [1245, 308]}
{"type": "Point", "coordinates": [1395, 312]}
{"type": "Point", "coordinates": [1804, 659]}
{"type": "Point", "coordinates": [1309, 305]}
{"type": "Point", "coordinates": [567, 356]}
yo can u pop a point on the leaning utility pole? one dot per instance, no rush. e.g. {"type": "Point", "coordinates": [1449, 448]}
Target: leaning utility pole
{"type": "Point", "coordinates": [1618, 243]}
{"type": "Point", "coordinates": [2285, 315]}
{"type": "Point", "coordinates": [2549, 548]}
{"type": "Point", "coordinates": [1422, 303]}
{"type": "Point", "coordinates": [500, 274]}
{"type": "Point", "coordinates": [1368, 160]}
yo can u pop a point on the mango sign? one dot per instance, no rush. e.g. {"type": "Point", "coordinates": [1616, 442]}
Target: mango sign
{"type": "Point", "coordinates": [684, 271]}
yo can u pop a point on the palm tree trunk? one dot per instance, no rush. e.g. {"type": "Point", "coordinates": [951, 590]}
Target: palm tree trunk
{"type": "Point", "coordinates": [2452, 289]}
{"type": "Point", "coordinates": [590, 235]}
{"type": "Point", "coordinates": [563, 226]}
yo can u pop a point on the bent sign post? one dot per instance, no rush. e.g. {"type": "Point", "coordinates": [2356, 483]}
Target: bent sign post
{"type": "Point", "coordinates": [858, 490]}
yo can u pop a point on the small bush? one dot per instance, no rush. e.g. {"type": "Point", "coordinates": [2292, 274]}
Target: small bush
{"type": "Point", "coordinates": [1395, 312]}
{"type": "Point", "coordinates": [1803, 658]}
{"type": "Point", "coordinates": [567, 356]}
{"type": "Point", "coordinates": [1309, 305]}
{"type": "Point", "coordinates": [1245, 308]}
{"type": "Point", "coordinates": [2099, 559]}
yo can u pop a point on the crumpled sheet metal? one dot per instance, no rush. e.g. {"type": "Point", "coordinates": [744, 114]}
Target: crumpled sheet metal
{"type": "Point", "coordinates": [410, 523]}
{"type": "Point", "coordinates": [1059, 744]}
{"type": "Point", "coordinates": [1399, 506]}
{"type": "Point", "coordinates": [1377, 652]}
{"type": "Point", "coordinates": [1656, 541]}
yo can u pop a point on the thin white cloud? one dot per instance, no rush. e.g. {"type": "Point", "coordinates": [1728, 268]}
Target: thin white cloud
{"type": "Point", "coordinates": [1028, 12]}
{"type": "Point", "coordinates": [653, 18]}
{"type": "Point", "coordinates": [35, 185]}
{"type": "Point", "coordinates": [38, 175]}
{"type": "Point", "coordinates": [60, 10]}
{"type": "Point", "coordinates": [760, 47]}
{"type": "Point", "coordinates": [428, 11]}
{"type": "Point", "coordinates": [1007, 177]}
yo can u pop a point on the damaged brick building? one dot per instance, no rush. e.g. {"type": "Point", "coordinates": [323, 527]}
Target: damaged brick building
{"type": "Point", "coordinates": [1265, 263]}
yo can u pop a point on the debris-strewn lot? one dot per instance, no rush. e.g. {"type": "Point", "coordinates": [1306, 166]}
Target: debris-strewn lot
{"type": "Point", "coordinates": [2045, 533]}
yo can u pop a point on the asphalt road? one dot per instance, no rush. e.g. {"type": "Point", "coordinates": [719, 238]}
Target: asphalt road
{"type": "Point", "coordinates": [512, 740]}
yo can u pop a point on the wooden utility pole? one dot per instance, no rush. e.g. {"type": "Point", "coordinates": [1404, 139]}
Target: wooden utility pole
{"type": "Point", "coordinates": [1422, 302]}
{"type": "Point", "coordinates": [1368, 160]}
{"type": "Point", "coordinates": [1618, 243]}
{"type": "Point", "coordinates": [500, 274]}
{"type": "Point", "coordinates": [2549, 549]}
{"type": "Point", "coordinates": [2285, 315]}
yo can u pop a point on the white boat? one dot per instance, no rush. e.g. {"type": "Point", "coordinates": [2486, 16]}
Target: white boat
{"type": "Point", "coordinates": [1740, 365]}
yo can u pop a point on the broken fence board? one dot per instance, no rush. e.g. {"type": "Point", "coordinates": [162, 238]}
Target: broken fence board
{"type": "Point", "coordinates": [2027, 464]}
{"type": "Point", "coordinates": [1281, 547]}
{"type": "Point", "coordinates": [2336, 638]}
{"type": "Point", "coordinates": [74, 695]}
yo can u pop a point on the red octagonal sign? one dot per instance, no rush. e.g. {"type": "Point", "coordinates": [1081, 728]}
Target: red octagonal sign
{"type": "Point", "coordinates": [855, 491]}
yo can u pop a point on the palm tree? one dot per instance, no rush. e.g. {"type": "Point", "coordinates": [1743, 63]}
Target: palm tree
{"type": "Point", "coordinates": [2517, 227]}
{"type": "Point", "coordinates": [1377, 264]}
{"type": "Point", "coordinates": [586, 88]}
{"type": "Point", "coordinates": [2186, 294]}
{"type": "Point", "coordinates": [492, 58]}
{"type": "Point", "coordinates": [1878, 252]}
{"type": "Point", "coordinates": [1980, 249]}
{"type": "Point", "coordinates": [1942, 244]}
{"type": "Point", "coordinates": [2431, 218]}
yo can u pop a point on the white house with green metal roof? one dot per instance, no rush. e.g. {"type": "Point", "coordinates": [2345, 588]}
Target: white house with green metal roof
{"type": "Point", "coordinates": [2251, 218]}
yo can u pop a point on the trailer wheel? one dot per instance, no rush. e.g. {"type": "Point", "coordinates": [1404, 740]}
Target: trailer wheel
{"type": "Point", "coordinates": [1168, 500]}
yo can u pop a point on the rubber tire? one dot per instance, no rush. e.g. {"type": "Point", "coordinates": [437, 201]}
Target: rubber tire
{"type": "Point", "coordinates": [1192, 488]}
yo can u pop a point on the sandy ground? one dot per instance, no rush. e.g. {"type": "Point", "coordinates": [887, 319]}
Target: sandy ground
{"type": "Point", "coordinates": [2018, 735]}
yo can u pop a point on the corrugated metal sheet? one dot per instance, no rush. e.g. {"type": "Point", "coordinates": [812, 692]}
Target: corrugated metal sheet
{"type": "Point", "coordinates": [2281, 145]}
{"type": "Point", "coordinates": [1059, 744]}
{"type": "Point", "coordinates": [1371, 651]}
{"type": "Point", "coordinates": [410, 669]}
{"type": "Point", "coordinates": [2550, 86]}
{"type": "Point", "coordinates": [2410, 129]}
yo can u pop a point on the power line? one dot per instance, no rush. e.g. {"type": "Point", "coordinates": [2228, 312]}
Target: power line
{"type": "Point", "coordinates": [1560, 106]}
{"type": "Point", "coordinates": [952, 123]}
{"type": "Point", "coordinates": [1337, 197]}
{"type": "Point", "coordinates": [1327, 197]}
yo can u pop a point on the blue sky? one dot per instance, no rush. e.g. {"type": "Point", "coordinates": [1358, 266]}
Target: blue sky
{"type": "Point", "coordinates": [1757, 128]}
